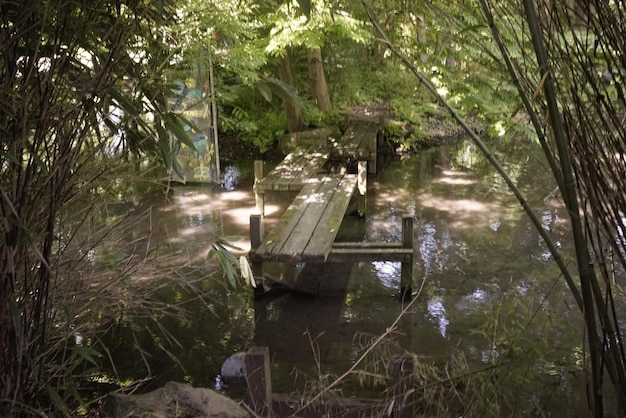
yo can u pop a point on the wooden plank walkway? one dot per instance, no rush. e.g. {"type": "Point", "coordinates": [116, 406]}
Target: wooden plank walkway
{"type": "Point", "coordinates": [295, 169]}
{"type": "Point", "coordinates": [308, 228]}
{"type": "Point", "coordinates": [306, 232]}
{"type": "Point", "coordinates": [358, 143]}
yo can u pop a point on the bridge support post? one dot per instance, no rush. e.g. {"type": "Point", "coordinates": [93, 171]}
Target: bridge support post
{"type": "Point", "coordinates": [403, 386]}
{"type": "Point", "coordinates": [259, 197]}
{"type": "Point", "coordinates": [406, 272]}
{"type": "Point", "coordinates": [373, 150]}
{"type": "Point", "coordinates": [258, 379]}
{"type": "Point", "coordinates": [256, 235]}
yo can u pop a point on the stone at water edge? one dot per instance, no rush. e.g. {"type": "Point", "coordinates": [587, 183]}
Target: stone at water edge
{"type": "Point", "coordinates": [174, 400]}
{"type": "Point", "coordinates": [234, 369]}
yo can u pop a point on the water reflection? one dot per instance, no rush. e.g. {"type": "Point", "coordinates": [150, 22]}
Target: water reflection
{"type": "Point", "coordinates": [485, 285]}
{"type": "Point", "coordinates": [388, 273]}
{"type": "Point", "coordinates": [230, 178]}
{"type": "Point", "coordinates": [438, 312]}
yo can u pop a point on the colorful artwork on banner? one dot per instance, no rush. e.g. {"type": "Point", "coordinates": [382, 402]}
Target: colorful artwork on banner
{"type": "Point", "coordinates": [200, 163]}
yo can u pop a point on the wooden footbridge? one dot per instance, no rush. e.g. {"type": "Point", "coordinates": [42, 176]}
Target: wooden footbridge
{"type": "Point", "coordinates": [307, 230]}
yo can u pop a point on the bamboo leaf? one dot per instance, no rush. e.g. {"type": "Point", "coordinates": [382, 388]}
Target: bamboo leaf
{"type": "Point", "coordinates": [174, 125]}
{"type": "Point", "coordinates": [246, 271]}
{"type": "Point", "coordinates": [123, 102]}
{"type": "Point", "coordinates": [178, 169]}
{"type": "Point", "coordinates": [222, 250]}
{"type": "Point", "coordinates": [226, 242]}
{"type": "Point", "coordinates": [390, 407]}
{"type": "Point", "coordinates": [87, 353]}
{"type": "Point", "coordinates": [57, 401]}
{"type": "Point", "coordinates": [227, 267]}
{"type": "Point", "coordinates": [265, 90]}
{"type": "Point", "coordinates": [284, 91]}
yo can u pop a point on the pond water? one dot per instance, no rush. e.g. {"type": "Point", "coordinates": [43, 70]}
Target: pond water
{"type": "Point", "coordinates": [491, 316]}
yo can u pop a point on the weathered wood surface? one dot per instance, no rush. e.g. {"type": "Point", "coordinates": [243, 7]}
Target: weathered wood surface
{"type": "Point", "coordinates": [294, 171]}
{"type": "Point", "coordinates": [374, 251]}
{"type": "Point", "coordinates": [294, 140]}
{"type": "Point", "coordinates": [359, 142]}
{"type": "Point", "coordinates": [308, 228]}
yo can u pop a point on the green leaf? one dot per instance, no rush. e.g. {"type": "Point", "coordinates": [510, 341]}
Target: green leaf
{"type": "Point", "coordinates": [174, 125]}
{"type": "Point", "coordinates": [178, 169]}
{"type": "Point", "coordinates": [226, 242]}
{"type": "Point", "coordinates": [227, 267]}
{"type": "Point", "coordinates": [222, 250]}
{"type": "Point", "coordinates": [57, 401]}
{"type": "Point", "coordinates": [285, 91]}
{"type": "Point", "coordinates": [126, 105]}
{"type": "Point", "coordinates": [87, 353]}
{"type": "Point", "coordinates": [265, 90]}
{"type": "Point", "coordinates": [228, 262]}
{"type": "Point", "coordinates": [246, 271]}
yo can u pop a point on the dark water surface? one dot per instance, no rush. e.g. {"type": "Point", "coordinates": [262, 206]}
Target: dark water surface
{"type": "Point", "coordinates": [489, 302]}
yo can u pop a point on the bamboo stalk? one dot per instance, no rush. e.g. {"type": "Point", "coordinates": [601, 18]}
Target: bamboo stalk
{"type": "Point", "coordinates": [522, 200]}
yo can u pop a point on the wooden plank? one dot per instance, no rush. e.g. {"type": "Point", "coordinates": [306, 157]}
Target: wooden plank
{"type": "Point", "coordinates": [315, 161]}
{"type": "Point", "coordinates": [406, 275]}
{"type": "Point", "coordinates": [403, 371]}
{"type": "Point", "coordinates": [295, 169]}
{"type": "Point", "coordinates": [368, 144]}
{"type": "Point", "coordinates": [258, 380]}
{"type": "Point", "coordinates": [307, 165]}
{"type": "Point", "coordinates": [307, 229]}
{"type": "Point", "coordinates": [324, 235]}
{"type": "Point", "coordinates": [283, 229]}
{"type": "Point", "coordinates": [302, 234]}
{"type": "Point", "coordinates": [284, 169]}
{"type": "Point", "coordinates": [349, 143]}
{"type": "Point", "coordinates": [357, 142]}
{"type": "Point", "coordinates": [367, 244]}
{"type": "Point", "coordinates": [341, 255]}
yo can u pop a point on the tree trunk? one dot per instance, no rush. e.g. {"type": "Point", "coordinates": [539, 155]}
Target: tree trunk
{"type": "Point", "coordinates": [295, 121]}
{"type": "Point", "coordinates": [319, 89]}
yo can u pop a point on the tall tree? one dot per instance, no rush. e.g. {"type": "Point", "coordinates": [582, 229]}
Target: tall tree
{"type": "Point", "coordinates": [317, 80]}
{"type": "Point", "coordinates": [295, 121]}
{"type": "Point", "coordinates": [309, 27]}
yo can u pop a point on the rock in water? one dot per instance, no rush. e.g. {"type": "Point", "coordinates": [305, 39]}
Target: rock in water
{"type": "Point", "coordinates": [234, 369]}
{"type": "Point", "coordinates": [174, 400]}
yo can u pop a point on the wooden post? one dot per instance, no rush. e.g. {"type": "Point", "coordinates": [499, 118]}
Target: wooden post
{"type": "Point", "coordinates": [256, 235]}
{"type": "Point", "coordinates": [362, 186]}
{"type": "Point", "coordinates": [406, 272]}
{"type": "Point", "coordinates": [259, 197]}
{"type": "Point", "coordinates": [403, 370]}
{"type": "Point", "coordinates": [259, 381]}
{"type": "Point", "coordinates": [373, 149]}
